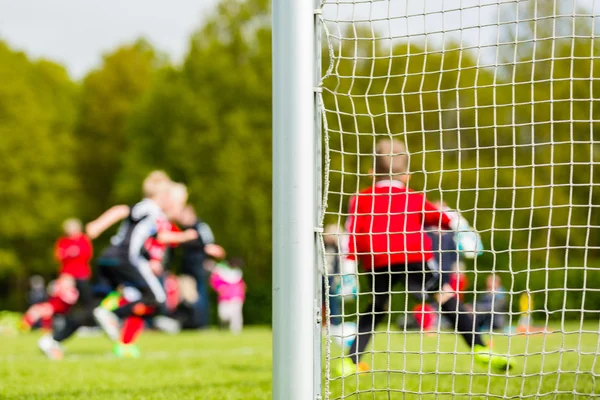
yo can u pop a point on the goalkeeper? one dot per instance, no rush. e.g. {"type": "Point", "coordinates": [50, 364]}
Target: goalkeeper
{"type": "Point", "coordinates": [387, 237]}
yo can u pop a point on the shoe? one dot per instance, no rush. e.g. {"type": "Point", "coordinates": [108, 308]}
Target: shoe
{"type": "Point", "coordinates": [484, 356]}
{"type": "Point", "coordinates": [167, 325]}
{"type": "Point", "coordinates": [111, 301]}
{"type": "Point", "coordinates": [126, 350]}
{"type": "Point", "coordinates": [346, 367]}
{"type": "Point", "coordinates": [50, 347]}
{"type": "Point", "coordinates": [108, 321]}
{"type": "Point", "coordinates": [363, 367]}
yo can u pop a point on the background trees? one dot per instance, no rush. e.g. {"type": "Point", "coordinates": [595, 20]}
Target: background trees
{"type": "Point", "coordinates": [480, 139]}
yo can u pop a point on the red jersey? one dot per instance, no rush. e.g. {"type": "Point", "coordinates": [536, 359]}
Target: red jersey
{"type": "Point", "coordinates": [157, 250]}
{"type": "Point", "coordinates": [385, 225]}
{"type": "Point", "coordinates": [74, 255]}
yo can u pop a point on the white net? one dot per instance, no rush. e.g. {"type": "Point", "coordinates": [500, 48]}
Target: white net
{"type": "Point", "coordinates": [495, 104]}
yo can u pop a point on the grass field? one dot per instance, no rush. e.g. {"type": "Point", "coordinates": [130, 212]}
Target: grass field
{"type": "Point", "coordinates": [215, 365]}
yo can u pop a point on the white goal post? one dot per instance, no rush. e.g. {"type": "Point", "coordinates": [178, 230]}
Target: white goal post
{"type": "Point", "coordinates": [494, 105]}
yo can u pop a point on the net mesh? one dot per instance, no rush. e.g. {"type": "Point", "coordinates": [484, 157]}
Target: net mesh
{"type": "Point", "coordinates": [496, 104]}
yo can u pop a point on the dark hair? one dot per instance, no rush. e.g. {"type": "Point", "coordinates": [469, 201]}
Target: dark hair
{"type": "Point", "coordinates": [237, 262]}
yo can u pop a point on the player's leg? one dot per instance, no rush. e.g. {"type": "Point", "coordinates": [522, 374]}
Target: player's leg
{"type": "Point", "coordinates": [380, 282]}
{"type": "Point", "coordinates": [117, 274]}
{"type": "Point", "coordinates": [463, 322]}
{"type": "Point", "coordinates": [237, 318]}
{"type": "Point", "coordinates": [80, 314]}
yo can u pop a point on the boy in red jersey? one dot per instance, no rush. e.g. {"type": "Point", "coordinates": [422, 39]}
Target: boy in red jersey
{"type": "Point", "coordinates": [74, 253]}
{"type": "Point", "coordinates": [63, 295]}
{"type": "Point", "coordinates": [387, 237]}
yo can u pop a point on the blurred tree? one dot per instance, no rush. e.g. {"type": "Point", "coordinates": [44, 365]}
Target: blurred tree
{"type": "Point", "coordinates": [208, 124]}
{"type": "Point", "coordinates": [37, 114]}
{"type": "Point", "coordinates": [108, 97]}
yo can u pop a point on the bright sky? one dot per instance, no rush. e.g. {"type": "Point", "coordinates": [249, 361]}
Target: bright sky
{"type": "Point", "coordinates": [76, 33]}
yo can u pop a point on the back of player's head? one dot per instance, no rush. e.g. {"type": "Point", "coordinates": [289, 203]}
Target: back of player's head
{"type": "Point", "coordinates": [237, 262]}
{"type": "Point", "coordinates": [391, 159]}
{"type": "Point", "coordinates": [176, 199]}
{"type": "Point", "coordinates": [72, 226]}
{"type": "Point", "coordinates": [493, 282]}
{"type": "Point", "coordinates": [156, 182]}
{"type": "Point", "coordinates": [37, 281]}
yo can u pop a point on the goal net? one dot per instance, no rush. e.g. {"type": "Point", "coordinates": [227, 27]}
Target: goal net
{"type": "Point", "coordinates": [494, 105]}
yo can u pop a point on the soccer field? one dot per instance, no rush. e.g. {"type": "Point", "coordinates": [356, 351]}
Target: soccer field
{"type": "Point", "coordinates": [216, 365]}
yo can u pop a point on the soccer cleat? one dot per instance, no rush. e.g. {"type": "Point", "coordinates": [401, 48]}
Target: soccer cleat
{"type": "Point", "coordinates": [122, 350]}
{"type": "Point", "coordinates": [484, 356]}
{"type": "Point", "coordinates": [50, 347]}
{"type": "Point", "coordinates": [108, 321]}
{"type": "Point", "coordinates": [363, 367]}
{"type": "Point", "coordinates": [111, 301]}
{"type": "Point", "coordinates": [346, 367]}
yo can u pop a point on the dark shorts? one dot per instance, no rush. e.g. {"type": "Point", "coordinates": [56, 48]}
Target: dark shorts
{"type": "Point", "coordinates": [122, 273]}
{"type": "Point", "coordinates": [418, 279]}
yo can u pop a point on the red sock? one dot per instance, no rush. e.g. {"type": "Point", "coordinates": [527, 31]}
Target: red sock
{"type": "Point", "coordinates": [47, 323]}
{"type": "Point", "coordinates": [132, 328]}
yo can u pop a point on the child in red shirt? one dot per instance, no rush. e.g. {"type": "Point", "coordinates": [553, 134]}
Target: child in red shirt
{"type": "Point", "coordinates": [74, 251]}
{"type": "Point", "coordinates": [387, 237]}
{"type": "Point", "coordinates": [63, 295]}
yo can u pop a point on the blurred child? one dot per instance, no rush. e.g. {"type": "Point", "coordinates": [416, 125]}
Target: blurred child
{"type": "Point", "coordinates": [226, 279]}
{"type": "Point", "coordinates": [127, 261]}
{"type": "Point", "coordinates": [37, 290]}
{"type": "Point", "coordinates": [491, 307]}
{"type": "Point", "coordinates": [63, 295]}
{"type": "Point", "coordinates": [74, 253]}
{"type": "Point", "coordinates": [388, 239]}
{"type": "Point", "coordinates": [195, 253]}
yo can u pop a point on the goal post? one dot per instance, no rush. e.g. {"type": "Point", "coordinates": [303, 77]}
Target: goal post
{"type": "Point", "coordinates": [296, 195]}
{"type": "Point", "coordinates": [495, 105]}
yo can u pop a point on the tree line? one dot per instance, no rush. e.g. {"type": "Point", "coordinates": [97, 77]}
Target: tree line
{"type": "Point", "coordinates": [515, 142]}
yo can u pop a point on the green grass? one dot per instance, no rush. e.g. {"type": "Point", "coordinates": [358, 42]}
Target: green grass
{"type": "Point", "coordinates": [216, 365]}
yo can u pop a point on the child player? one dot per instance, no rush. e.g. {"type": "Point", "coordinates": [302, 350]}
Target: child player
{"type": "Point", "coordinates": [63, 295]}
{"type": "Point", "coordinates": [73, 252]}
{"type": "Point", "coordinates": [386, 227]}
{"type": "Point", "coordinates": [127, 260]}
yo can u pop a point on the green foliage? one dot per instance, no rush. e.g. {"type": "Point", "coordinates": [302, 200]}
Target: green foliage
{"type": "Point", "coordinates": [37, 113]}
{"type": "Point", "coordinates": [107, 101]}
{"type": "Point", "coordinates": [480, 139]}
{"type": "Point", "coordinates": [514, 144]}
{"type": "Point", "coordinates": [208, 124]}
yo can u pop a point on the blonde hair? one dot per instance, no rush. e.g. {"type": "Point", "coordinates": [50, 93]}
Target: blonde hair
{"type": "Point", "coordinates": [178, 191]}
{"type": "Point", "coordinates": [156, 182]}
{"type": "Point", "coordinates": [391, 159]}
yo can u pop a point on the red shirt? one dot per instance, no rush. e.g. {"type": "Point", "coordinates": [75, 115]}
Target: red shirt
{"type": "Point", "coordinates": [385, 225]}
{"type": "Point", "coordinates": [156, 249]}
{"type": "Point", "coordinates": [74, 255]}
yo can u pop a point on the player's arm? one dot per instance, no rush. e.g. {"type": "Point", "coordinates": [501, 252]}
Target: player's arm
{"type": "Point", "coordinates": [171, 237]}
{"type": "Point", "coordinates": [433, 216]}
{"type": "Point", "coordinates": [109, 218]}
{"type": "Point", "coordinates": [207, 237]}
{"type": "Point", "coordinates": [468, 240]}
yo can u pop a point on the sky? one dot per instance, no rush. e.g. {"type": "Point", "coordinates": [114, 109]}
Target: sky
{"type": "Point", "coordinates": [76, 33]}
